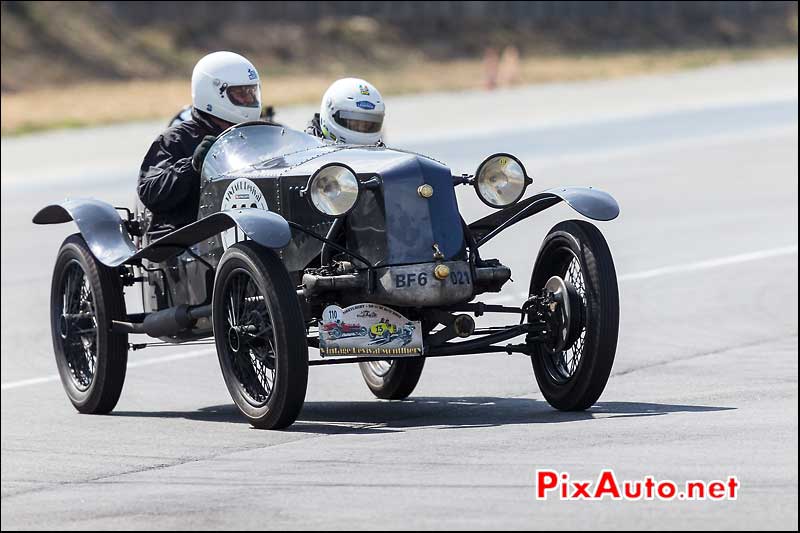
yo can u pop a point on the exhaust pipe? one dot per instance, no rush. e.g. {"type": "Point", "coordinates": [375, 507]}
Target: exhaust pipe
{"type": "Point", "coordinates": [165, 323]}
{"type": "Point", "coordinates": [313, 284]}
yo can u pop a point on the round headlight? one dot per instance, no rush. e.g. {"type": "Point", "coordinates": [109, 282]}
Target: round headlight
{"type": "Point", "coordinates": [501, 180]}
{"type": "Point", "coordinates": [333, 190]}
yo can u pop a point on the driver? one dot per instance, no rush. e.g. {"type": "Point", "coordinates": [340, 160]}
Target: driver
{"type": "Point", "coordinates": [352, 112]}
{"type": "Point", "coordinates": [226, 90]}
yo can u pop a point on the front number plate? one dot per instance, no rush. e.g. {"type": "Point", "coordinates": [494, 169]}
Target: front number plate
{"type": "Point", "coordinates": [368, 330]}
{"type": "Point", "coordinates": [422, 278]}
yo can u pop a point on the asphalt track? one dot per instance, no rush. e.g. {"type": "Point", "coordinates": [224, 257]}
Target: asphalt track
{"type": "Point", "coordinates": [704, 386]}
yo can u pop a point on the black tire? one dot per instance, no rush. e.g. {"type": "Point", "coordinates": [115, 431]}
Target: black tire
{"type": "Point", "coordinates": [574, 378]}
{"type": "Point", "coordinates": [85, 297]}
{"type": "Point", "coordinates": [396, 383]}
{"type": "Point", "coordinates": [248, 353]}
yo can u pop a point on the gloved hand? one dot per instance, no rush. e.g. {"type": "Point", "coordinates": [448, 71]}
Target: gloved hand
{"type": "Point", "coordinates": [201, 151]}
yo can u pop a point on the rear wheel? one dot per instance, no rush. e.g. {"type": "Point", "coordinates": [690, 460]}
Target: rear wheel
{"type": "Point", "coordinates": [260, 336]}
{"type": "Point", "coordinates": [85, 297]}
{"type": "Point", "coordinates": [575, 266]}
{"type": "Point", "coordinates": [392, 380]}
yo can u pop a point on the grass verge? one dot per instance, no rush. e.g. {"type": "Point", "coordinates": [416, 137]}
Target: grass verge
{"type": "Point", "coordinates": [101, 103]}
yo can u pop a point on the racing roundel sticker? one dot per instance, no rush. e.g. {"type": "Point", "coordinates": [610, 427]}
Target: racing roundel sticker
{"type": "Point", "coordinates": [242, 193]}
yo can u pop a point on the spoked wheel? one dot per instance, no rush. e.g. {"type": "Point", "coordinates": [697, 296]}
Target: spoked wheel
{"type": "Point", "coordinates": [85, 297]}
{"type": "Point", "coordinates": [575, 271]}
{"type": "Point", "coordinates": [260, 336]}
{"type": "Point", "coordinates": [392, 380]}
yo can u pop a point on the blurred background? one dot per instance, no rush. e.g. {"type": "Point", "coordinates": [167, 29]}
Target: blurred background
{"type": "Point", "coordinates": [71, 64]}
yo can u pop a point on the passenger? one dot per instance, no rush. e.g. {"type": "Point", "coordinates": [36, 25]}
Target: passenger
{"type": "Point", "coordinates": [351, 112]}
{"type": "Point", "coordinates": [226, 90]}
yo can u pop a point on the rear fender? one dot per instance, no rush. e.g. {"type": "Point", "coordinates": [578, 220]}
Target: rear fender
{"type": "Point", "coordinates": [107, 237]}
{"type": "Point", "coordinates": [100, 225]}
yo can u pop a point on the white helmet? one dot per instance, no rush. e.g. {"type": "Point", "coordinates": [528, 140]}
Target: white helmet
{"type": "Point", "coordinates": [226, 85]}
{"type": "Point", "coordinates": [352, 112]}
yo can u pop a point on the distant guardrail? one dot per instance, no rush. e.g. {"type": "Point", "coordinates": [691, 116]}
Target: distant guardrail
{"type": "Point", "coordinates": [235, 11]}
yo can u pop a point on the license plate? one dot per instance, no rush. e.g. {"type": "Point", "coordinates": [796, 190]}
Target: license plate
{"type": "Point", "coordinates": [421, 278]}
{"type": "Point", "coordinates": [368, 330]}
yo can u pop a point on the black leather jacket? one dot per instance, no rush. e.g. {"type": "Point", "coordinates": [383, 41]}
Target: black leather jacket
{"type": "Point", "coordinates": [168, 185]}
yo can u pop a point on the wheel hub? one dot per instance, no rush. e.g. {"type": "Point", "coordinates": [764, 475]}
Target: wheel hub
{"type": "Point", "coordinates": [233, 340]}
{"type": "Point", "coordinates": [564, 314]}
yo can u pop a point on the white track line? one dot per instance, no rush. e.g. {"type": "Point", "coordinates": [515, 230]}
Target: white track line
{"type": "Point", "coordinates": [710, 263]}
{"type": "Point", "coordinates": [678, 269]}
{"type": "Point", "coordinates": [656, 147]}
{"type": "Point", "coordinates": [646, 274]}
{"type": "Point", "coordinates": [134, 364]}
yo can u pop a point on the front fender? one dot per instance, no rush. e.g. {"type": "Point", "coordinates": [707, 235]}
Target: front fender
{"type": "Point", "coordinates": [262, 227]}
{"type": "Point", "coordinates": [588, 201]}
{"type": "Point", "coordinates": [99, 223]}
{"type": "Point", "coordinates": [104, 230]}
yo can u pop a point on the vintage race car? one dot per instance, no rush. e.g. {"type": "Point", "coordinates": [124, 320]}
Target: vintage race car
{"type": "Point", "coordinates": [294, 233]}
{"type": "Point", "coordinates": [382, 329]}
{"type": "Point", "coordinates": [337, 328]}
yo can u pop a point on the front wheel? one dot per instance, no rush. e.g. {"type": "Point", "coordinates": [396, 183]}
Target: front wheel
{"type": "Point", "coordinates": [392, 380]}
{"type": "Point", "coordinates": [260, 336]}
{"type": "Point", "coordinates": [573, 365]}
{"type": "Point", "coordinates": [86, 296]}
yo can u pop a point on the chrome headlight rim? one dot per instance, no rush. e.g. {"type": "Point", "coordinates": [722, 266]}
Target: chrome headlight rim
{"type": "Point", "coordinates": [315, 175]}
{"type": "Point", "coordinates": [475, 182]}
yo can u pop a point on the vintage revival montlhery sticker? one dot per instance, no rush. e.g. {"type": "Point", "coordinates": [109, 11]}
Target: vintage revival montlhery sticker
{"type": "Point", "coordinates": [368, 329]}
